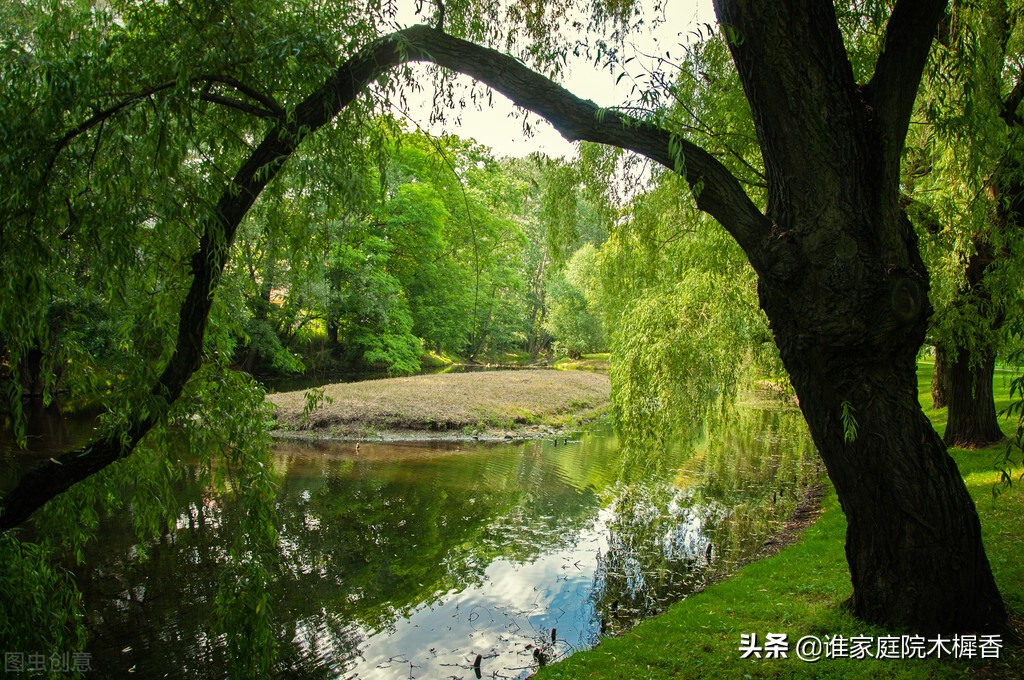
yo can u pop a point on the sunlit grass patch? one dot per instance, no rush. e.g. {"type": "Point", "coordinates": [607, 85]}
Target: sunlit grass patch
{"type": "Point", "coordinates": [600, 361]}
{"type": "Point", "coordinates": [435, 360]}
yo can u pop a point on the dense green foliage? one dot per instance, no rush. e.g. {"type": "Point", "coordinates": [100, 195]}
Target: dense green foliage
{"type": "Point", "coordinates": [963, 178]}
{"type": "Point", "coordinates": [679, 295]}
{"type": "Point", "coordinates": [123, 123]}
{"type": "Point", "coordinates": [440, 248]}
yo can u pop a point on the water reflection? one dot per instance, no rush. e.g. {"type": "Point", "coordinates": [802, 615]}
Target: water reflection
{"type": "Point", "coordinates": [669, 539]}
{"type": "Point", "coordinates": [448, 560]}
{"type": "Point", "coordinates": [48, 432]}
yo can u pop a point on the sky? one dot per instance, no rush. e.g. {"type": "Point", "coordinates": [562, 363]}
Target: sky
{"type": "Point", "coordinates": [501, 127]}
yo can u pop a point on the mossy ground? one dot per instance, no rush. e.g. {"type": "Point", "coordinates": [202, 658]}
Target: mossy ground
{"type": "Point", "coordinates": [801, 592]}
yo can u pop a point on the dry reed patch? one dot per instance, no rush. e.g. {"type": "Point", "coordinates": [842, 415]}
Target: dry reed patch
{"type": "Point", "coordinates": [453, 401]}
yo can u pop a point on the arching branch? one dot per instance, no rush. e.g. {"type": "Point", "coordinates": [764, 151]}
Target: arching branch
{"type": "Point", "coordinates": [717, 192]}
{"type": "Point", "coordinates": [231, 103]}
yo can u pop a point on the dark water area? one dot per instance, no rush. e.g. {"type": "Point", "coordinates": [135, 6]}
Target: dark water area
{"type": "Point", "coordinates": [49, 431]}
{"type": "Point", "coordinates": [413, 559]}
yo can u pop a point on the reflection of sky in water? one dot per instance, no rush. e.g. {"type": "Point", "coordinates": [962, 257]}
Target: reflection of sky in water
{"type": "Point", "coordinates": [410, 561]}
{"type": "Point", "coordinates": [503, 619]}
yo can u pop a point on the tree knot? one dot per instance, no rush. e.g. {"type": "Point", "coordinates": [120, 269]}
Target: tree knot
{"type": "Point", "coordinates": [906, 298]}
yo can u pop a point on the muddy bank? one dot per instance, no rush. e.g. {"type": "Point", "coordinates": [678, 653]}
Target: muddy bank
{"type": "Point", "coordinates": [484, 405]}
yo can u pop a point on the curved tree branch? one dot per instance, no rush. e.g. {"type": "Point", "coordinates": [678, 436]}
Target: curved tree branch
{"type": "Point", "coordinates": [231, 103]}
{"type": "Point", "coordinates": [717, 192]}
{"type": "Point", "coordinates": [268, 102]}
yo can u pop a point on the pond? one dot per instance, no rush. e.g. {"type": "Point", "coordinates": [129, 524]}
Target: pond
{"type": "Point", "coordinates": [435, 560]}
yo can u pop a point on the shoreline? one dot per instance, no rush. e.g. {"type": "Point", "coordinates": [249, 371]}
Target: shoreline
{"type": "Point", "coordinates": [518, 433]}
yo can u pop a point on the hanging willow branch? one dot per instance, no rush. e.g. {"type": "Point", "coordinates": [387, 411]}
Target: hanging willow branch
{"type": "Point", "coordinates": [716, 192]}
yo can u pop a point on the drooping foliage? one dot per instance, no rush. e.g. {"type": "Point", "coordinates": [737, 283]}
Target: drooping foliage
{"type": "Point", "coordinates": [123, 124]}
{"type": "Point", "coordinates": [573, 309]}
{"type": "Point", "coordinates": [687, 327]}
{"type": "Point", "coordinates": [138, 137]}
{"type": "Point", "coordinates": [963, 179]}
{"type": "Point", "coordinates": [679, 297]}
{"type": "Point", "coordinates": [120, 123]}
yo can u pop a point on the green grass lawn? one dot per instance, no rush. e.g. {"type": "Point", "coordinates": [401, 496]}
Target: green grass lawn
{"type": "Point", "coordinates": [800, 592]}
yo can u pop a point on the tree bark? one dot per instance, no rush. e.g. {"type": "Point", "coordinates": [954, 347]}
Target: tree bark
{"type": "Point", "coordinates": [851, 316]}
{"type": "Point", "coordinates": [940, 379]}
{"type": "Point", "coordinates": [913, 538]}
{"type": "Point", "coordinates": [972, 421]}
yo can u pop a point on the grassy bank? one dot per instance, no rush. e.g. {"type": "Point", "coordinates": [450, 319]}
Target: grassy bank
{"type": "Point", "coordinates": [800, 592]}
{"type": "Point", "coordinates": [492, 403]}
{"type": "Point", "coordinates": [588, 362]}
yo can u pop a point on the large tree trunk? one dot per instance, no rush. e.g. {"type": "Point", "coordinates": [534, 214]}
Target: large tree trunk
{"type": "Point", "coordinates": [849, 305]}
{"type": "Point", "coordinates": [972, 421]}
{"type": "Point", "coordinates": [913, 540]}
{"type": "Point", "coordinates": [848, 334]}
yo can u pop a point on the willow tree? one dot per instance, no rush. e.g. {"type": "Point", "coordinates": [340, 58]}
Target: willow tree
{"type": "Point", "coordinates": [966, 177]}
{"type": "Point", "coordinates": [840, 276]}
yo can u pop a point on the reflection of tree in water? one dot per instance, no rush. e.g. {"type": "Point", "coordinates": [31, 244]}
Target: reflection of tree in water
{"type": "Point", "coordinates": [48, 431]}
{"type": "Point", "coordinates": [147, 603]}
{"type": "Point", "coordinates": [366, 541]}
{"type": "Point", "coordinates": [362, 544]}
{"type": "Point", "coordinates": [657, 554]}
{"type": "Point", "coordinates": [736, 489]}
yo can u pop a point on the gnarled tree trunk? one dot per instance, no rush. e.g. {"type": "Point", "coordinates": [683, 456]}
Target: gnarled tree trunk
{"type": "Point", "coordinates": [849, 308]}
{"type": "Point", "coordinates": [913, 536]}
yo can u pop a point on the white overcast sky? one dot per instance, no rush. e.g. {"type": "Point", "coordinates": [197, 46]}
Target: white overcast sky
{"type": "Point", "coordinates": [501, 128]}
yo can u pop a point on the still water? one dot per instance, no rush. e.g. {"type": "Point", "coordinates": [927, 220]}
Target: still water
{"type": "Point", "coordinates": [416, 560]}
